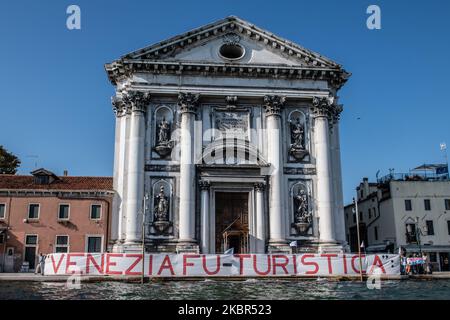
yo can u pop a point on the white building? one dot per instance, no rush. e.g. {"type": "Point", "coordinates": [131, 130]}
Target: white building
{"type": "Point", "coordinates": [411, 211]}
{"type": "Point", "coordinates": [231, 134]}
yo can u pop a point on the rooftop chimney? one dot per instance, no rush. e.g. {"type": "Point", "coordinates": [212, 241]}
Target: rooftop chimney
{"type": "Point", "coordinates": [65, 173]}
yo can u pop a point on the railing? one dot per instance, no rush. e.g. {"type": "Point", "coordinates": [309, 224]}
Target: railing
{"type": "Point", "coordinates": [413, 177]}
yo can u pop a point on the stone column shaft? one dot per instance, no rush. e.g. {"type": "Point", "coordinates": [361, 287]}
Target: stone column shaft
{"type": "Point", "coordinates": [205, 220]}
{"type": "Point", "coordinates": [260, 221]}
{"type": "Point", "coordinates": [188, 104]}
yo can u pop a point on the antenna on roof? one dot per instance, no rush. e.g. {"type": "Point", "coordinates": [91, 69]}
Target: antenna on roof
{"type": "Point", "coordinates": [35, 161]}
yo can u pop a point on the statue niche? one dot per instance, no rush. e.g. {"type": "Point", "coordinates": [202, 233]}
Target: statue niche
{"type": "Point", "coordinates": [161, 212]}
{"type": "Point", "coordinates": [163, 122]}
{"type": "Point", "coordinates": [297, 147]}
{"type": "Point", "coordinates": [302, 215]}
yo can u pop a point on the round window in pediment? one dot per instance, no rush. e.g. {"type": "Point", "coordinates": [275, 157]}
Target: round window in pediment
{"type": "Point", "coordinates": [231, 51]}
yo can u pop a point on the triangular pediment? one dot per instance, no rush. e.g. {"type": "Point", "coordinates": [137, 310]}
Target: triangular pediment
{"type": "Point", "coordinates": [203, 45]}
{"type": "Point", "coordinates": [230, 46]}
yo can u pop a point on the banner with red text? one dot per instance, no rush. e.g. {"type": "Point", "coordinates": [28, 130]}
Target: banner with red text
{"type": "Point", "coordinates": [220, 265]}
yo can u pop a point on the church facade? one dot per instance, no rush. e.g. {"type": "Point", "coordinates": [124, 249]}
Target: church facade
{"type": "Point", "coordinates": [227, 136]}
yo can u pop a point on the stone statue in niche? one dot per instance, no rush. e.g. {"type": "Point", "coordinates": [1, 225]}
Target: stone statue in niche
{"type": "Point", "coordinates": [163, 143]}
{"type": "Point", "coordinates": [302, 214]}
{"type": "Point", "coordinates": [161, 211]}
{"type": "Point", "coordinates": [297, 148]}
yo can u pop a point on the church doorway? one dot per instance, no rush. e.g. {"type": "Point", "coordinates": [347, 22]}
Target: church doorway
{"type": "Point", "coordinates": [232, 222]}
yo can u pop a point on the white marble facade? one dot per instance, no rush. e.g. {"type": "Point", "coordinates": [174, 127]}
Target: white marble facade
{"type": "Point", "coordinates": [227, 111]}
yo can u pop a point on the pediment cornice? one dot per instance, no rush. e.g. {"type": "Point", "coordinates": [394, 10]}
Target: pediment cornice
{"type": "Point", "coordinates": [154, 59]}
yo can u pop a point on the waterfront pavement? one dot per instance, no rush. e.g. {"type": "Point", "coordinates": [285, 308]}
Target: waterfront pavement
{"type": "Point", "coordinates": [31, 277]}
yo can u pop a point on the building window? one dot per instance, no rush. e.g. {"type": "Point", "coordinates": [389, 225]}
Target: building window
{"type": "Point", "coordinates": [370, 214]}
{"type": "Point", "coordinates": [63, 213]}
{"type": "Point", "coordinates": [31, 239]}
{"type": "Point", "coordinates": [430, 227]}
{"type": "Point", "coordinates": [94, 244]}
{"type": "Point", "coordinates": [360, 216]}
{"type": "Point", "coordinates": [2, 210]}
{"type": "Point", "coordinates": [447, 204]}
{"type": "Point", "coordinates": [96, 211]}
{"type": "Point", "coordinates": [448, 227]}
{"type": "Point", "coordinates": [62, 244]}
{"type": "Point", "coordinates": [2, 238]}
{"type": "Point", "coordinates": [408, 205]}
{"type": "Point", "coordinates": [411, 236]}
{"type": "Point", "coordinates": [33, 211]}
{"type": "Point", "coordinates": [427, 204]}
{"type": "Point", "coordinates": [354, 218]}
{"type": "Point", "coordinates": [375, 230]}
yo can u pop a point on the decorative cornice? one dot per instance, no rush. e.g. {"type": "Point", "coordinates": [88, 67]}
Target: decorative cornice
{"type": "Point", "coordinates": [326, 107]}
{"type": "Point", "coordinates": [188, 102]}
{"type": "Point", "coordinates": [204, 185]}
{"type": "Point", "coordinates": [137, 100]}
{"type": "Point", "coordinates": [259, 186]}
{"type": "Point", "coordinates": [273, 105]}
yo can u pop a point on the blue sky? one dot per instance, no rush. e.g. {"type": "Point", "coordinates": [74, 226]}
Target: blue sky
{"type": "Point", "coordinates": [55, 96]}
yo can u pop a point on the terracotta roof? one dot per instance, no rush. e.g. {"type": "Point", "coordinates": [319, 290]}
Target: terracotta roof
{"type": "Point", "coordinates": [8, 181]}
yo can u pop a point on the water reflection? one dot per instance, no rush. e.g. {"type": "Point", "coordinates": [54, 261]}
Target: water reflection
{"type": "Point", "coordinates": [210, 289]}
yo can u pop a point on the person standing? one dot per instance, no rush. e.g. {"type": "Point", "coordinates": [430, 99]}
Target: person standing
{"type": "Point", "coordinates": [41, 264]}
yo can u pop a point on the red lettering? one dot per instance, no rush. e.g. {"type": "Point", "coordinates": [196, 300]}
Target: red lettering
{"type": "Point", "coordinates": [255, 264]}
{"type": "Point", "coordinates": [353, 264]}
{"type": "Point", "coordinates": [110, 264]}
{"type": "Point", "coordinates": [312, 263]}
{"type": "Point", "coordinates": [166, 264]}
{"type": "Point", "coordinates": [241, 261]}
{"type": "Point", "coordinates": [56, 268]}
{"type": "Point", "coordinates": [138, 257]}
{"type": "Point", "coordinates": [188, 264]}
{"type": "Point", "coordinates": [282, 264]}
{"type": "Point", "coordinates": [377, 263]}
{"type": "Point", "coordinates": [90, 258]}
{"type": "Point", "coordinates": [72, 263]}
{"type": "Point", "coordinates": [329, 256]}
{"type": "Point", "coordinates": [217, 265]}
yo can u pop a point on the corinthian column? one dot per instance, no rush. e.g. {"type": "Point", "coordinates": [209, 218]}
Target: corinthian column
{"type": "Point", "coordinates": [188, 106]}
{"type": "Point", "coordinates": [138, 101]}
{"type": "Point", "coordinates": [118, 206]}
{"type": "Point", "coordinates": [323, 109]}
{"type": "Point", "coordinates": [273, 105]}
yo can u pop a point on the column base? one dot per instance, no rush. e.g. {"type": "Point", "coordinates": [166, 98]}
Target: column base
{"type": "Point", "coordinates": [279, 246]}
{"type": "Point", "coordinates": [187, 246]}
{"type": "Point", "coordinates": [330, 247]}
{"type": "Point", "coordinates": [127, 247]}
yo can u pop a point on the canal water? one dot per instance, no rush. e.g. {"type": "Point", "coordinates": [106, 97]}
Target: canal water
{"type": "Point", "coordinates": [249, 289]}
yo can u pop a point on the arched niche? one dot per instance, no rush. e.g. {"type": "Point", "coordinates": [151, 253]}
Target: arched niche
{"type": "Point", "coordinates": [297, 134]}
{"type": "Point", "coordinates": [163, 125]}
{"type": "Point", "coordinates": [168, 192]}
{"type": "Point", "coordinates": [301, 209]}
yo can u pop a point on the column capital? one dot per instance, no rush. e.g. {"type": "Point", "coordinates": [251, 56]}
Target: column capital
{"type": "Point", "coordinates": [259, 186]}
{"type": "Point", "coordinates": [273, 104]}
{"type": "Point", "coordinates": [326, 107]}
{"type": "Point", "coordinates": [188, 102]}
{"type": "Point", "coordinates": [204, 185]}
{"type": "Point", "coordinates": [119, 106]}
{"type": "Point", "coordinates": [137, 101]}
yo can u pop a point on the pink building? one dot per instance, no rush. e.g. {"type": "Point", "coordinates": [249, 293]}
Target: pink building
{"type": "Point", "coordinates": [48, 213]}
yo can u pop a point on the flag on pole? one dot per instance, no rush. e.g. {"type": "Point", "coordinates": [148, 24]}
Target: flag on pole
{"type": "Point", "coordinates": [229, 251]}
{"type": "Point", "coordinates": [293, 243]}
{"type": "Point", "coordinates": [362, 244]}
